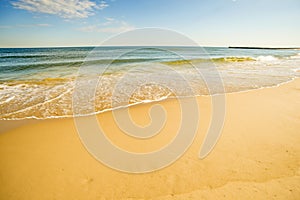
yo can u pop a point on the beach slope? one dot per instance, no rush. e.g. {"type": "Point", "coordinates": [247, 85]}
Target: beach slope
{"type": "Point", "coordinates": [257, 156]}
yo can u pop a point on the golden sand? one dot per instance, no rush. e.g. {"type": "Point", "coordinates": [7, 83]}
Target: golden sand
{"type": "Point", "coordinates": [257, 156]}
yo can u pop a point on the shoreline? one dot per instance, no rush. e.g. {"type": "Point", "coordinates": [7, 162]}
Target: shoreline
{"type": "Point", "coordinates": [257, 155]}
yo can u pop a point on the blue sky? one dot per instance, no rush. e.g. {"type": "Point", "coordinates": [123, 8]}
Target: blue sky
{"type": "Point", "coordinates": [26, 23]}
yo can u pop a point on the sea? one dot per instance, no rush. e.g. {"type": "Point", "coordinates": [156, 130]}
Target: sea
{"type": "Point", "coordinates": [39, 83]}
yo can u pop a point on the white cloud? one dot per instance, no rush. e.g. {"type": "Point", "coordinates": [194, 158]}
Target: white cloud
{"type": "Point", "coordinates": [110, 25]}
{"type": "Point", "coordinates": [63, 8]}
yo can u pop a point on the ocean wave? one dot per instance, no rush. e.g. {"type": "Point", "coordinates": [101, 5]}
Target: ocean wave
{"type": "Point", "coordinates": [296, 56]}
{"type": "Point", "coordinates": [230, 59]}
{"type": "Point", "coordinates": [45, 81]}
{"type": "Point", "coordinates": [79, 62]}
{"type": "Point", "coordinates": [21, 67]}
{"type": "Point", "coordinates": [26, 56]}
{"type": "Point", "coordinates": [44, 65]}
{"type": "Point", "coordinates": [220, 59]}
{"type": "Point", "coordinates": [266, 58]}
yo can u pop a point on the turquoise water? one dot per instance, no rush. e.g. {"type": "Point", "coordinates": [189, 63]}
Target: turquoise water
{"type": "Point", "coordinates": [39, 82]}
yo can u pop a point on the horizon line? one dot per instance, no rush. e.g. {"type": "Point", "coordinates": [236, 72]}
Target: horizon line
{"type": "Point", "coordinates": [227, 46]}
{"type": "Point", "coordinates": [62, 46]}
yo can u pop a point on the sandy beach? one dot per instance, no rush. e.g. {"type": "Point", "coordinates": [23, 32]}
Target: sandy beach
{"type": "Point", "coordinates": [257, 156]}
{"type": "Point", "coordinates": [149, 100]}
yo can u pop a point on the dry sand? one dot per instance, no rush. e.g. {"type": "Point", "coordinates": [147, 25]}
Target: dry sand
{"type": "Point", "coordinates": [257, 156]}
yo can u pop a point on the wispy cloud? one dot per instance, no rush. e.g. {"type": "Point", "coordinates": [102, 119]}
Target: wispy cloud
{"type": "Point", "coordinates": [33, 25]}
{"type": "Point", "coordinates": [62, 8]}
{"type": "Point", "coordinates": [5, 27]}
{"type": "Point", "coordinates": [25, 26]}
{"type": "Point", "coordinates": [110, 25]}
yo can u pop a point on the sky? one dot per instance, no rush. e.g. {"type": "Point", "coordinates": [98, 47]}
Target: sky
{"type": "Point", "coordinates": [44, 23]}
